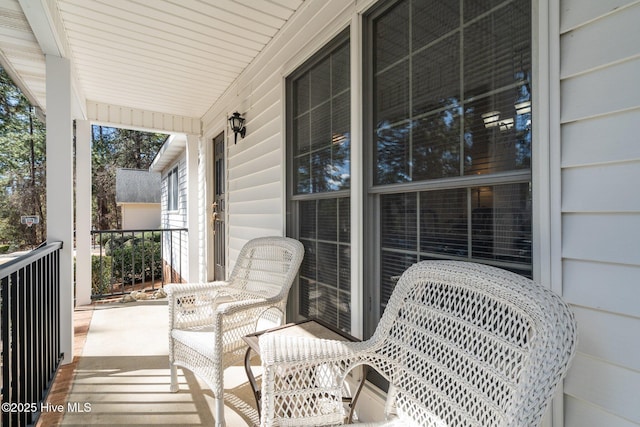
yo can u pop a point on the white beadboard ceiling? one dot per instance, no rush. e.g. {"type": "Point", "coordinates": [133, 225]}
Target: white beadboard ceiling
{"type": "Point", "coordinates": [168, 56]}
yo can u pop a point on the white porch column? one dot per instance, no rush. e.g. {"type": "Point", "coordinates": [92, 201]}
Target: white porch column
{"type": "Point", "coordinates": [192, 207]}
{"type": "Point", "coordinates": [60, 187]}
{"type": "Point", "coordinates": [83, 212]}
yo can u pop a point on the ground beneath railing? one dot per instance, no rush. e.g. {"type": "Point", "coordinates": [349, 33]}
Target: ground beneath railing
{"type": "Point", "coordinates": [120, 290]}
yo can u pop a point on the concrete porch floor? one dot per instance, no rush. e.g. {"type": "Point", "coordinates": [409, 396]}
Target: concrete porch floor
{"type": "Point", "coordinates": [121, 376]}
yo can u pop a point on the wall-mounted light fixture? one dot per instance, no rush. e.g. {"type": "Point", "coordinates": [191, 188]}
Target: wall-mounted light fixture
{"type": "Point", "coordinates": [236, 121]}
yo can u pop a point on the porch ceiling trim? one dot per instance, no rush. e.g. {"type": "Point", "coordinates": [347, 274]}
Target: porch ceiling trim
{"type": "Point", "coordinates": [124, 117]}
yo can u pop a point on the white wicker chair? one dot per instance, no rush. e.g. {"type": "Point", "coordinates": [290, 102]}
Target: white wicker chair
{"type": "Point", "coordinates": [208, 320]}
{"type": "Point", "coordinates": [461, 344]}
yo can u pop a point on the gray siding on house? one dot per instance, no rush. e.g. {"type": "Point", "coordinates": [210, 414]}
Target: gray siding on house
{"type": "Point", "coordinates": [600, 162]}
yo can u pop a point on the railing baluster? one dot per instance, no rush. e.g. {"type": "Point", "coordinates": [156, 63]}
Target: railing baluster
{"type": "Point", "coordinates": [4, 286]}
{"type": "Point", "coordinates": [29, 349]}
{"type": "Point", "coordinates": [144, 249]}
{"type": "Point", "coordinates": [162, 242]}
{"type": "Point", "coordinates": [153, 264]}
{"type": "Point", "coordinates": [126, 248]}
{"type": "Point", "coordinates": [21, 337]}
{"type": "Point", "coordinates": [30, 333]}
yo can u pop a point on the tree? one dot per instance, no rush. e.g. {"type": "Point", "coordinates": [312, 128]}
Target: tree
{"type": "Point", "coordinates": [22, 166]}
{"type": "Point", "coordinates": [115, 148]}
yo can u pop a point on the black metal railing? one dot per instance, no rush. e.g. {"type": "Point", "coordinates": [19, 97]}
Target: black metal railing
{"type": "Point", "coordinates": [127, 260]}
{"type": "Point", "coordinates": [30, 305]}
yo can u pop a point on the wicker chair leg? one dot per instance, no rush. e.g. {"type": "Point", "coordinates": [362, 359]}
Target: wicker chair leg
{"type": "Point", "coordinates": [174, 379]}
{"type": "Point", "coordinates": [220, 412]}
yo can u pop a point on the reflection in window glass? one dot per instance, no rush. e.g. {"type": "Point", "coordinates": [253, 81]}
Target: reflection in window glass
{"type": "Point", "coordinates": [321, 118]}
{"type": "Point", "coordinates": [436, 145]}
{"type": "Point", "coordinates": [443, 223]}
{"type": "Point", "coordinates": [393, 154]}
{"type": "Point", "coordinates": [498, 132]}
{"type": "Point", "coordinates": [451, 96]}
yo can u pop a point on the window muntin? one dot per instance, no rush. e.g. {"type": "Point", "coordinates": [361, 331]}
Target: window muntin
{"type": "Point", "coordinates": [489, 224]}
{"type": "Point", "coordinates": [325, 273]}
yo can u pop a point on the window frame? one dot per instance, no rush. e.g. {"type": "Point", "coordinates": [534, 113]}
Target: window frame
{"type": "Point", "coordinates": [372, 192]}
{"type": "Point", "coordinates": [293, 198]}
{"type": "Point", "coordinates": [173, 189]}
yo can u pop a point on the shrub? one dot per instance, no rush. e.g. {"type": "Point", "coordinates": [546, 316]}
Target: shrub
{"type": "Point", "coordinates": [135, 258]}
{"type": "Point", "coordinates": [100, 277]}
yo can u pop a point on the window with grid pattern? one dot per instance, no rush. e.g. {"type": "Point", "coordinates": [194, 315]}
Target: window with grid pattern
{"type": "Point", "coordinates": [448, 136]}
{"type": "Point", "coordinates": [319, 140]}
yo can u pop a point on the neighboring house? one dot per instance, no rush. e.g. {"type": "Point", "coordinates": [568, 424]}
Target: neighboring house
{"type": "Point", "coordinates": [138, 195]}
{"type": "Point", "coordinates": [170, 165]}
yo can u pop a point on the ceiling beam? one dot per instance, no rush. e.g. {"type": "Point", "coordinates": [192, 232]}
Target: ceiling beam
{"type": "Point", "coordinates": [44, 26]}
{"type": "Point", "coordinates": [144, 120]}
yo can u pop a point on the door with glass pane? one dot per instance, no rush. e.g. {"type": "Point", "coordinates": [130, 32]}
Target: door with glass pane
{"type": "Point", "coordinates": [218, 208]}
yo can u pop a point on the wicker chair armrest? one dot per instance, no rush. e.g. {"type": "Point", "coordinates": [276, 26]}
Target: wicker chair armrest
{"type": "Point", "coordinates": [176, 290]}
{"type": "Point", "coordinates": [232, 307]}
{"type": "Point", "coordinates": [194, 304]}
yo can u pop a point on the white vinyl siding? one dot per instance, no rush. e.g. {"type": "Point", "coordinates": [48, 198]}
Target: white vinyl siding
{"type": "Point", "coordinates": [256, 176]}
{"type": "Point", "coordinates": [600, 171]}
{"type": "Point", "coordinates": [173, 219]}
